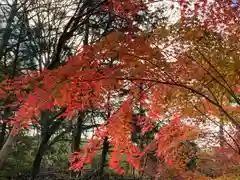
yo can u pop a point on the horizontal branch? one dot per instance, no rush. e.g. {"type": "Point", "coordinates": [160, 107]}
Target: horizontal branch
{"type": "Point", "coordinates": [177, 85]}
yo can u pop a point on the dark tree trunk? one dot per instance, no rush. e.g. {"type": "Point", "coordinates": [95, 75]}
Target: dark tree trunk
{"type": "Point", "coordinates": [81, 116]}
{"type": "Point", "coordinates": [2, 134]}
{"type": "Point", "coordinates": [38, 158]}
{"type": "Point", "coordinates": [104, 156]}
{"type": "Point", "coordinates": [47, 132]}
{"type": "Point", "coordinates": [78, 132]}
{"type": "Point", "coordinates": [7, 31]}
{"type": "Point", "coordinates": [136, 130]}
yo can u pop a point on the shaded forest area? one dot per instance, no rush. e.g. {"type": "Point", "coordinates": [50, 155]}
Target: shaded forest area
{"type": "Point", "coordinates": [116, 89]}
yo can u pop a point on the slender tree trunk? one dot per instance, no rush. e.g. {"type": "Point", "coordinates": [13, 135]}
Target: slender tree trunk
{"type": "Point", "coordinates": [7, 31]}
{"type": "Point", "coordinates": [7, 146]}
{"type": "Point", "coordinates": [78, 133]}
{"type": "Point", "coordinates": [2, 134]}
{"type": "Point", "coordinates": [221, 133]}
{"type": "Point", "coordinates": [105, 144]}
{"type": "Point", "coordinates": [104, 156]}
{"type": "Point", "coordinates": [39, 156]}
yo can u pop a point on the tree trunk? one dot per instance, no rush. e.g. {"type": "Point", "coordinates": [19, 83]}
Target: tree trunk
{"type": "Point", "coordinates": [5, 117]}
{"type": "Point", "coordinates": [104, 156]}
{"type": "Point", "coordinates": [221, 133]}
{"type": "Point", "coordinates": [38, 158]}
{"type": "Point", "coordinates": [151, 167]}
{"type": "Point", "coordinates": [7, 148]}
{"type": "Point", "coordinates": [2, 134]}
{"type": "Point", "coordinates": [47, 132]}
{"type": "Point", "coordinates": [7, 31]}
{"type": "Point", "coordinates": [78, 132]}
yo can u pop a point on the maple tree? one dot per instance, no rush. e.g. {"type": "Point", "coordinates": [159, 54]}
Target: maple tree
{"type": "Point", "coordinates": [201, 81]}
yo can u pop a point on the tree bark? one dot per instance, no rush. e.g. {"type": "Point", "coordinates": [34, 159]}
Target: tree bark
{"type": "Point", "coordinates": [104, 156]}
{"type": "Point", "coordinates": [7, 31]}
{"type": "Point", "coordinates": [7, 148]}
{"type": "Point", "coordinates": [46, 134]}
{"type": "Point", "coordinates": [78, 132]}
{"type": "Point", "coordinates": [2, 134]}
{"type": "Point", "coordinates": [38, 158]}
{"type": "Point", "coordinates": [221, 133]}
